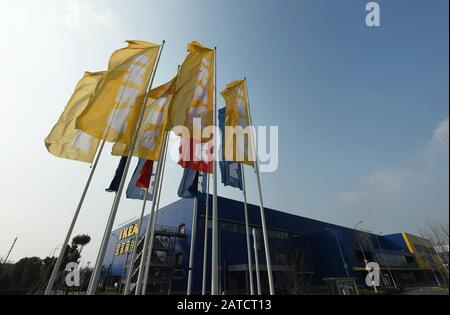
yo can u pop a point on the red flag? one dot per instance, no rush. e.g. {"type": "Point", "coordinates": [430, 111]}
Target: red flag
{"type": "Point", "coordinates": [196, 156]}
{"type": "Point", "coordinates": [145, 176]}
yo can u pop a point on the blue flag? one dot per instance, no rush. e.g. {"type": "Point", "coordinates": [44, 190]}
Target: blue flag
{"type": "Point", "coordinates": [114, 187]}
{"type": "Point", "coordinates": [231, 171]}
{"type": "Point", "coordinates": [193, 182]}
{"type": "Point", "coordinates": [135, 193]}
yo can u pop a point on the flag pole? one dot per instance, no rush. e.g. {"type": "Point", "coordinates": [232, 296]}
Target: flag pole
{"type": "Point", "coordinates": [205, 239]}
{"type": "Point", "coordinates": [101, 255]}
{"type": "Point", "coordinates": [136, 240]}
{"type": "Point", "coordinates": [152, 214]}
{"type": "Point", "coordinates": [247, 232]}
{"type": "Point", "coordinates": [193, 239]}
{"type": "Point", "coordinates": [57, 266]}
{"type": "Point", "coordinates": [263, 215]}
{"type": "Point", "coordinates": [155, 219]}
{"type": "Point", "coordinates": [150, 220]}
{"type": "Point", "coordinates": [258, 277]}
{"type": "Point", "coordinates": [215, 220]}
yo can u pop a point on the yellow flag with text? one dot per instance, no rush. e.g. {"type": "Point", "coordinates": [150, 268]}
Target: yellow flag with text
{"type": "Point", "coordinates": [65, 140]}
{"type": "Point", "coordinates": [194, 90]}
{"type": "Point", "coordinates": [154, 125]}
{"type": "Point", "coordinates": [113, 112]}
{"type": "Point", "coordinates": [238, 142]}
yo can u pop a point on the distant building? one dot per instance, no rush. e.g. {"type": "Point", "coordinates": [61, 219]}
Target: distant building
{"type": "Point", "coordinates": [304, 252]}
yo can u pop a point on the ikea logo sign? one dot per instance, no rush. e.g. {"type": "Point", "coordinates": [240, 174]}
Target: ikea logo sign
{"type": "Point", "coordinates": [125, 244]}
{"type": "Point", "coordinates": [129, 232]}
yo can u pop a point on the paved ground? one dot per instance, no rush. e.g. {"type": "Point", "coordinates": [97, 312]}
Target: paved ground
{"type": "Point", "coordinates": [425, 291]}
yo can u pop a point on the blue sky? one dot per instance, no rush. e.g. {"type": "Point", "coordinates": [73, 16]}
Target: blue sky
{"type": "Point", "coordinates": [362, 112]}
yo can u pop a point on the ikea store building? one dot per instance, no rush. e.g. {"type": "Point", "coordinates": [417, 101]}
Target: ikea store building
{"type": "Point", "coordinates": [308, 256]}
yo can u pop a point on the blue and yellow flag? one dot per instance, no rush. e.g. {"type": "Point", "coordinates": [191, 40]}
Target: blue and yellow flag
{"type": "Point", "coordinates": [192, 184]}
{"type": "Point", "coordinates": [231, 171]}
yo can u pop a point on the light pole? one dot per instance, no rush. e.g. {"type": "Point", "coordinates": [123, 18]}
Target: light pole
{"type": "Point", "coordinates": [340, 251]}
{"type": "Point", "coordinates": [359, 242]}
{"type": "Point", "coordinates": [52, 253]}
{"type": "Point", "coordinates": [112, 263]}
{"type": "Point", "coordinates": [375, 257]}
{"type": "Point", "coordinates": [256, 249]}
{"type": "Point", "coordinates": [385, 261]}
{"type": "Point", "coordinates": [364, 255]}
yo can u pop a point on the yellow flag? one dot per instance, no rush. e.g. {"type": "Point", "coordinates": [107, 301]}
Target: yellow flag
{"type": "Point", "coordinates": [154, 125]}
{"type": "Point", "coordinates": [194, 91]}
{"type": "Point", "coordinates": [238, 142]}
{"type": "Point", "coordinates": [113, 112]}
{"type": "Point", "coordinates": [64, 140]}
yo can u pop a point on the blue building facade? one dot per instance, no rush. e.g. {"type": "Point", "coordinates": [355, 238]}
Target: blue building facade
{"type": "Point", "coordinates": [303, 251]}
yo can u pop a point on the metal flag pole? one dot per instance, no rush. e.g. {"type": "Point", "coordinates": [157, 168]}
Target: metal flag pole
{"type": "Point", "coordinates": [263, 215]}
{"type": "Point", "coordinates": [136, 241]}
{"type": "Point", "coordinates": [258, 278]}
{"type": "Point", "coordinates": [205, 239]}
{"type": "Point", "coordinates": [57, 266]}
{"type": "Point", "coordinates": [215, 219]}
{"type": "Point", "coordinates": [147, 240]}
{"type": "Point", "coordinates": [152, 214]}
{"type": "Point", "coordinates": [193, 239]}
{"type": "Point", "coordinates": [155, 219]}
{"type": "Point", "coordinates": [101, 255]}
{"type": "Point", "coordinates": [247, 232]}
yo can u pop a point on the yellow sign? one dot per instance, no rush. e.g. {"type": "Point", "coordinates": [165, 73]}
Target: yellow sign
{"type": "Point", "coordinates": [129, 232]}
{"type": "Point", "coordinates": [125, 248]}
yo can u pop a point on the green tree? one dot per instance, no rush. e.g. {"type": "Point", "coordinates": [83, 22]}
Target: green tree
{"type": "Point", "coordinates": [26, 272]}
{"type": "Point", "coordinates": [81, 240]}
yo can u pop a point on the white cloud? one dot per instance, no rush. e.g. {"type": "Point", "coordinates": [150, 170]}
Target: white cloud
{"type": "Point", "coordinates": [400, 197]}
{"type": "Point", "coordinates": [441, 132]}
{"type": "Point", "coordinates": [78, 12]}
{"type": "Point", "coordinates": [381, 182]}
{"type": "Point", "coordinates": [74, 13]}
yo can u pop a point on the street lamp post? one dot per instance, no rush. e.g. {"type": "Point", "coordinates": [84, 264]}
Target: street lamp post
{"type": "Point", "coordinates": [340, 251]}
{"type": "Point", "coordinates": [108, 280]}
{"type": "Point", "coordinates": [385, 261]}
{"type": "Point", "coordinates": [364, 255]}
{"type": "Point", "coordinates": [375, 257]}
{"type": "Point", "coordinates": [52, 253]}
{"type": "Point", "coordinates": [360, 245]}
